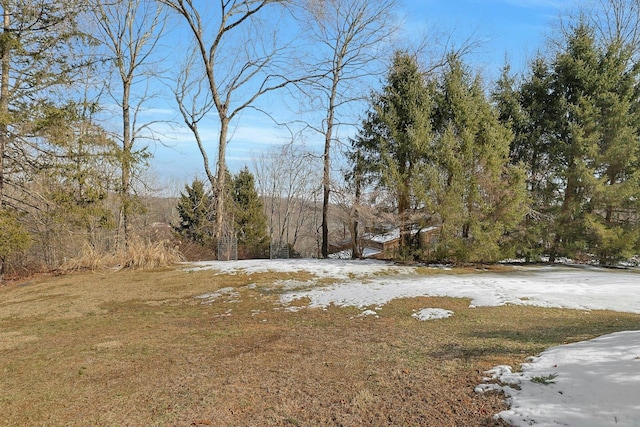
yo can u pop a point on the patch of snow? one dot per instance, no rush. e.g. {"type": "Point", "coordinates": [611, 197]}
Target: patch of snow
{"type": "Point", "coordinates": [368, 313]}
{"type": "Point", "coordinates": [370, 252]}
{"type": "Point", "coordinates": [321, 268]}
{"type": "Point", "coordinates": [589, 383]}
{"type": "Point", "coordinates": [386, 237]}
{"type": "Point", "coordinates": [432, 313]}
{"type": "Point", "coordinates": [227, 313]}
{"type": "Point", "coordinates": [587, 288]}
{"type": "Point", "coordinates": [367, 252]}
{"type": "Point", "coordinates": [345, 254]}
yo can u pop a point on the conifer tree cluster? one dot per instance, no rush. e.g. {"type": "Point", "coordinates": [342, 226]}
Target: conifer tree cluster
{"type": "Point", "coordinates": [196, 209]}
{"type": "Point", "coordinates": [547, 166]}
{"type": "Point", "coordinates": [438, 145]}
{"type": "Point", "coordinates": [575, 118]}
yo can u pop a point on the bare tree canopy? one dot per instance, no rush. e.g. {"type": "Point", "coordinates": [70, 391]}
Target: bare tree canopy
{"type": "Point", "coordinates": [348, 39]}
{"type": "Point", "coordinates": [616, 20]}
{"type": "Point", "coordinates": [129, 31]}
{"type": "Point", "coordinates": [288, 180]}
{"type": "Point", "coordinates": [239, 58]}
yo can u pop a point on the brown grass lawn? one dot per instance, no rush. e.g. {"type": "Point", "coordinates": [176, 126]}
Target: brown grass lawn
{"type": "Point", "coordinates": [137, 349]}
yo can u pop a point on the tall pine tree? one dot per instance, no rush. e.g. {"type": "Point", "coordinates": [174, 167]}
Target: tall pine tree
{"type": "Point", "coordinates": [528, 109]}
{"type": "Point", "coordinates": [580, 142]}
{"type": "Point", "coordinates": [479, 196]}
{"type": "Point", "coordinates": [195, 211]}
{"type": "Point", "coordinates": [611, 228]}
{"type": "Point", "coordinates": [249, 217]}
{"type": "Point", "coordinates": [395, 139]}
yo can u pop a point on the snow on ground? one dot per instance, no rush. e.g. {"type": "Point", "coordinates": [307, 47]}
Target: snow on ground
{"type": "Point", "coordinates": [591, 383]}
{"type": "Point", "coordinates": [338, 268]}
{"type": "Point", "coordinates": [228, 292]}
{"type": "Point", "coordinates": [432, 313]}
{"type": "Point", "coordinates": [565, 287]}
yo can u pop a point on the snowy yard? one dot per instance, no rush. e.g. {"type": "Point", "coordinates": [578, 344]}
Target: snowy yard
{"type": "Point", "coordinates": [591, 383]}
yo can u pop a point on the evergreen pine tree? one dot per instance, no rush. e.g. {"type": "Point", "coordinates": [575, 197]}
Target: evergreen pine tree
{"type": "Point", "coordinates": [249, 217]}
{"type": "Point", "coordinates": [195, 211]}
{"type": "Point", "coordinates": [395, 139]}
{"type": "Point", "coordinates": [528, 110]}
{"type": "Point", "coordinates": [480, 197]}
{"type": "Point", "coordinates": [611, 234]}
{"type": "Point", "coordinates": [580, 143]}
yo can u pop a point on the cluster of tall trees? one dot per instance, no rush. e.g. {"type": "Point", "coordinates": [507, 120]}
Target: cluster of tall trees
{"type": "Point", "coordinates": [76, 78]}
{"type": "Point", "coordinates": [245, 214]}
{"type": "Point", "coordinates": [547, 165]}
{"type": "Point", "coordinates": [437, 144]}
{"type": "Point", "coordinates": [575, 122]}
{"type": "Point", "coordinates": [69, 162]}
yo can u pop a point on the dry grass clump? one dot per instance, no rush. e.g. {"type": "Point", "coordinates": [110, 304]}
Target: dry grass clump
{"type": "Point", "coordinates": [137, 255]}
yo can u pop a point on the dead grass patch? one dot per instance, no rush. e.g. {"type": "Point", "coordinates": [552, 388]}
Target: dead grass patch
{"type": "Point", "coordinates": [137, 348]}
{"type": "Point", "coordinates": [138, 255]}
{"type": "Point", "coordinates": [12, 339]}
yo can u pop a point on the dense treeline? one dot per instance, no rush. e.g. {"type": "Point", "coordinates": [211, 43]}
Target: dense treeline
{"type": "Point", "coordinates": [575, 119]}
{"type": "Point", "coordinates": [539, 164]}
{"type": "Point", "coordinates": [548, 166]}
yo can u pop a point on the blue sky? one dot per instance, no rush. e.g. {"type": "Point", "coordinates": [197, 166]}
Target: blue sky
{"type": "Point", "coordinates": [512, 29]}
{"type": "Point", "coordinates": [516, 28]}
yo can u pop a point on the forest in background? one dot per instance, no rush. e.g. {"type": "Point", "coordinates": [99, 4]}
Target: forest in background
{"type": "Point", "coordinates": [539, 165]}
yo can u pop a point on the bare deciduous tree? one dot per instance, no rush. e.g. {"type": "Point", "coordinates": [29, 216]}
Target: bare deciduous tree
{"type": "Point", "coordinates": [130, 31]}
{"type": "Point", "coordinates": [239, 54]}
{"type": "Point", "coordinates": [287, 178]}
{"type": "Point", "coordinates": [617, 20]}
{"type": "Point", "coordinates": [348, 38]}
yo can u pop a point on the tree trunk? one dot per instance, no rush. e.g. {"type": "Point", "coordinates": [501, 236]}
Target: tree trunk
{"type": "Point", "coordinates": [355, 247]}
{"type": "Point", "coordinates": [326, 159]}
{"type": "Point", "coordinates": [126, 163]}
{"type": "Point", "coordinates": [565, 212]}
{"type": "Point", "coordinates": [5, 51]}
{"type": "Point", "coordinates": [403, 209]}
{"type": "Point", "coordinates": [220, 184]}
{"type": "Point", "coordinates": [356, 253]}
{"type": "Point", "coordinates": [325, 204]}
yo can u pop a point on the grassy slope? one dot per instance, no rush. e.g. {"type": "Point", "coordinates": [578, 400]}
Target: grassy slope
{"type": "Point", "coordinates": [135, 348]}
